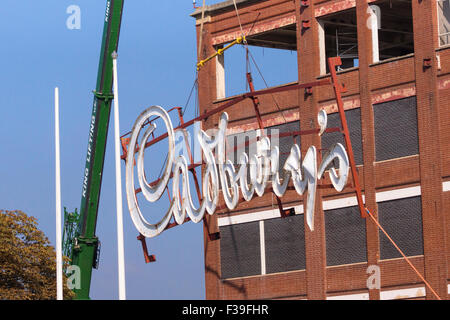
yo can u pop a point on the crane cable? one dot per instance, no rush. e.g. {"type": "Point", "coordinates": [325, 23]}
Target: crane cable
{"type": "Point", "coordinates": [199, 58]}
{"type": "Point", "coordinates": [265, 83]}
{"type": "Point", "coordinates": [244, 41]}
{"type": "Point", "coordinates": [201, 31]}
{"type": "Point", "coordinates": [240, 24]}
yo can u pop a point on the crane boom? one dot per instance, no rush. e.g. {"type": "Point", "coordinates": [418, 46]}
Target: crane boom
{"type": "Point", "coordinates": [86, 243]}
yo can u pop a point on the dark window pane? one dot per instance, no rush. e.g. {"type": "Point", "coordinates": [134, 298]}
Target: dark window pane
{"type": "Point", "coordinates": [329, 139]}
{"type": "Point", "coordinates": [285, 244]}
{"type": "Point", "coordinates": [396, 129]}
{"type": "Point", "coordinates": [402, 220]}
{"type": "Point", "coordinates": [240, 252]}
{"type": "Point", "coordinates": [345, 236]}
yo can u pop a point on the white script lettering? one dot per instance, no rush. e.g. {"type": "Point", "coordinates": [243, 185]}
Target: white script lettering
{"type": "Point", "coordinates": [264, 166]}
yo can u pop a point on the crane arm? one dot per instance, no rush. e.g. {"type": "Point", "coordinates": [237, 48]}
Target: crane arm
{"type": "Point", "coordinates": [86, 242]}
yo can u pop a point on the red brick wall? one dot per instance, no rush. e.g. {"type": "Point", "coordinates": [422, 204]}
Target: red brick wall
{"type": "Point", "coordinates": [366, 85]}
{"type": "Point", "coordinates": [425, 42]}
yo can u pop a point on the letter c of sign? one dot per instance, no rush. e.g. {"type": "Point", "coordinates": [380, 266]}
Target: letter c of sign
{"type": "Point", "coordinates": [151, 193]}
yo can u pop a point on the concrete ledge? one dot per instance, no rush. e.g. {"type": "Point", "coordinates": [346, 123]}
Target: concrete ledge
{"type": "Point", "coordinates": [217, 8]}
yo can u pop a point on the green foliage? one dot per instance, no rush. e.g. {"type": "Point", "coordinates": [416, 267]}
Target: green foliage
{"type": "Point", "coordinates": [27, 261]}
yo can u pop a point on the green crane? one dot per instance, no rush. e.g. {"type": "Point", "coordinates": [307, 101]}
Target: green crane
{"type": "Point", "coordinates": [85, 244]}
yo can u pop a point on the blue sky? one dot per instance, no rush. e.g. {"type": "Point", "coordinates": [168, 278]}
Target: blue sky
{"type": "Point", "coordinates": [156, 66]}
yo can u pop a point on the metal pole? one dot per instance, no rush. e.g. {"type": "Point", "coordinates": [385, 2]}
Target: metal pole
{"type": "Point", "coordinates": [120, 249]}
{"type": "Point", "coordinates": [59, 284]}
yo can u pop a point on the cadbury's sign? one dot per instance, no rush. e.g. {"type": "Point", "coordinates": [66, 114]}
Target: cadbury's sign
{"type": "Point", "coordinates": [263, 166]}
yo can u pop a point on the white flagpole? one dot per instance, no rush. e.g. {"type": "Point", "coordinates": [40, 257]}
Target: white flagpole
{"type": "Point", "coordinates": [59, 281]}
{"type": "Point", "coordinates": [120, 249]}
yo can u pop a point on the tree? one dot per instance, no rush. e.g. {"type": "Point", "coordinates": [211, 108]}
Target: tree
{"type": "Point", "coordinates": [27, 260]}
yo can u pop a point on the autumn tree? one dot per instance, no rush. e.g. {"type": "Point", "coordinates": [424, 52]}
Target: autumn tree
{"type": "Point", "coordinates": [27, 260]}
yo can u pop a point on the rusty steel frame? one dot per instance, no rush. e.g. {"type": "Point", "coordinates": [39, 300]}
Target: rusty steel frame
{"type": "Point", "coordinates": [338, 90]}
{"type": "Point", "coordinates": [253, 95]}
{"type": "Point", "coordinates": [255, 101]}
{"type": "Point", "coordinates": [232, 103]}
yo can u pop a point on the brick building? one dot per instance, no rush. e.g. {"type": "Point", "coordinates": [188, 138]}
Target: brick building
{"type": "Point", "coordinates": [396, 68]}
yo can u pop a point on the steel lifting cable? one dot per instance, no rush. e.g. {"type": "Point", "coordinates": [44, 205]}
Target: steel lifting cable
{"type": "Point", "coordinates": [194, 86]}
{"type": "Point", "coordinates": [265, 83]}
{"type": "Point", "coordinates": [199, 57]}
{"type": "Point", "coordinates": [240, 24]}
{"type": "Point", "coordinates": [196, 101]}
{"type": "Point", "coordinates": [248, 52]}
{"type": "Point", "coordinates": [201, 32]}
{"type": "Point", "coordinates": [241, 39]}
{"type": "Point", "coordinates": [244, 41]}
{"type": "Point", "coordinates": [404, 256]}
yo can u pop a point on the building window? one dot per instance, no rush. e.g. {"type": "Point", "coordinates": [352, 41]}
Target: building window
{"type": "Point", "coordinates": [338, 37]}
{"type": "Point", "coordinates": [402, 220]}
{"type": "Point", "coordinates": [240, 253]}
{"type": "Point", "coordinates": [285, 244]}
{"type": "Point", "coordinates": [329, 139]}
{"type": "Point", "coordinates": [345, 233]}
{"type": "Point", "coordinates": [271, 60]}
{"type": "Point", "coordinates": [444, 21]}
{"type": "Point", "coordinates": [392, 29]}
{"type": "Point", "coordinates": [396, 129]}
